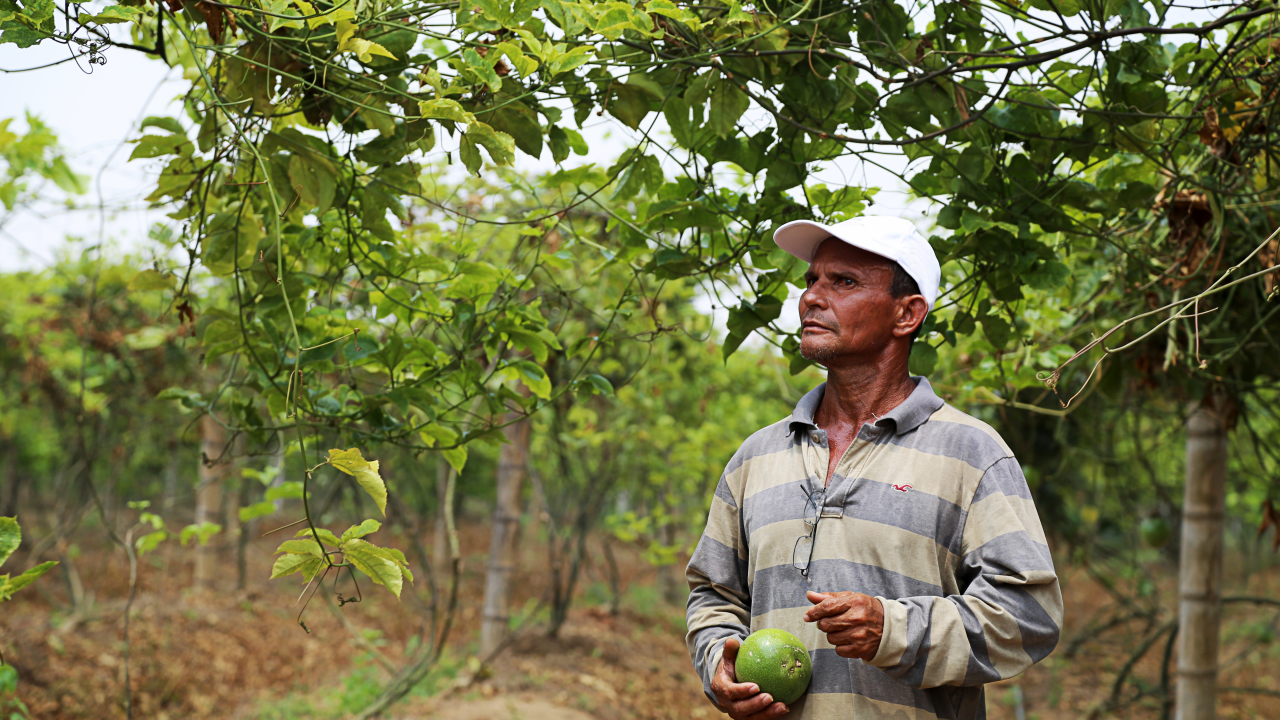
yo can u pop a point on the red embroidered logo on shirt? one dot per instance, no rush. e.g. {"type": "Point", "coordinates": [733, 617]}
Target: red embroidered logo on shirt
{"type": "Point", "coordinates": [902, 488]}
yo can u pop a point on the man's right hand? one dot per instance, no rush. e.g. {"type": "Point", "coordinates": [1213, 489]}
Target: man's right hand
{"type": "Point", "coordinates": [743, 701]}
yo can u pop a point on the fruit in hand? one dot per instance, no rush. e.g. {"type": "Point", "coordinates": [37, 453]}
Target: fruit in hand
{"type": "Point", "coordinates": [777, 661]}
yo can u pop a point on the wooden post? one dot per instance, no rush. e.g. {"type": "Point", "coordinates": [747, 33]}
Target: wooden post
{"type": "Point", "coordinates": [512, 463]}
{"type": "Point", "coordinates": [208, 500]}
{"type": "Point", "coordinates": [1200, 569]}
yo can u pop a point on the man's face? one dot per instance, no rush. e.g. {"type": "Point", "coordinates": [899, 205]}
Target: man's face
{"type": "Point", "coordinates": [848, 310]}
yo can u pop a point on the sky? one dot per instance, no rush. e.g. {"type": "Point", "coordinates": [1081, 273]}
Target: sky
{"type": "Point", "coordinates": [92, 114]}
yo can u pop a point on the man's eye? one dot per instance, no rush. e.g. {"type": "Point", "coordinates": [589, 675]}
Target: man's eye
{"type": "Point", "coordinates": [847, 282]}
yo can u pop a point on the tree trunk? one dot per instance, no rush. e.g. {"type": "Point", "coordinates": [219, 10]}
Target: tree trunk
{"type": "Point", "coordinates": [171, 476]}
{"type": "Point", "coordinates": [277, 479]}
{"type": "Point", "coordinates": [1200, 571]}
{"type": "Point", "coordinates": [512, 461]}
{"type": "Point", "coordinates": [671, 587]}
{"type": "Point", "coordinates": [439, 541]}
{"type": "Point", "coordinates": [208, 499]}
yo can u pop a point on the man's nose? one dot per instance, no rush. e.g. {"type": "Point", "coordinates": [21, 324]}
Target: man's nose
{"type": "Point", "coordinates": [811, 298]}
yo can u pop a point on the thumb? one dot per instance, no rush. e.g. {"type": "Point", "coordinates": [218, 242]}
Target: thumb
{"type": "Point", "coordinates": [816, 597]}
{"type": "Point", "coordinates": [730, 651]}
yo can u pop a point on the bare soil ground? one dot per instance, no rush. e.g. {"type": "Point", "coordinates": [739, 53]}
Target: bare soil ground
{"type": "Point", "coordinates": [240, 653]}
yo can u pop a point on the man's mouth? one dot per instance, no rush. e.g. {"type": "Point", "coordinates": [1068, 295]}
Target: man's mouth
{"type": "Point", "coordinates": [815, 326]}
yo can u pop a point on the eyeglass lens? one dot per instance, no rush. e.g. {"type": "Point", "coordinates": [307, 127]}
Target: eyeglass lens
{"type": "Point", "coordinates": [803, 551]}
{"type": "Point", "coordinates": [811, 507]}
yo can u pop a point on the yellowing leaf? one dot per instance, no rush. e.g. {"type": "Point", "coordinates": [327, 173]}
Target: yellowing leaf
{"type": "Point", "coordinates": [10, 537]}
{"type": "Point", "coordinates": [301, 547]}
{"type": "Point", "coordinates": [457, 457]}
{"type": "Point", "coordinates": [289, 564]}
{"type": "Point", "coordinates": [445, 109]}
{"type": "Point", "coordinates": [358, 531]}
{"type": "Point", "coordinates": [346, 29]}
{"type": "Point", "coordinates": [370, 560]}
{"type": "Point", "coordinates": [365, 473]}
{"type": "Point", "coordinates": [328, 18]}
{"type": "Point", "coordinates": [365, 49]}
{"type": "Point", "coordinates": [325, 536]}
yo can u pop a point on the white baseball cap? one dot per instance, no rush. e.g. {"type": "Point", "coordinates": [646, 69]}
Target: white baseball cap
{"type": "Point", "coordinates": [890, 237]}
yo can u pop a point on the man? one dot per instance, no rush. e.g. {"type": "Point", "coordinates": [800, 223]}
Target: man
{"type": "Point", "coordinates": [890, 532]}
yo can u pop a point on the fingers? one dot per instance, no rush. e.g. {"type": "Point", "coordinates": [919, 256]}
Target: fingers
{"type": "Point", "coordinates": [725, 684]}
{"type": "Point", "coordinates": [738, 691]}
{"type": "Point", "coordinates": [816, 597]}
{"type": "Point", "coordinates": [772, 711]}
{"type": "Point", "coordinates": [831, 605]}
{"type": "Point", "coordinates": [855, 652]}
{"type": "Point", "coordinates": [756, 707]}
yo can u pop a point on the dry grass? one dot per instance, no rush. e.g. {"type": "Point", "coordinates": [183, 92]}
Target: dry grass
{"type": "Point", "coordinates": [240, 654]}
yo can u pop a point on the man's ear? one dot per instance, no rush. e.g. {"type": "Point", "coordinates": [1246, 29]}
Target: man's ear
{"type": "Point", "coordinates": [911, 312]}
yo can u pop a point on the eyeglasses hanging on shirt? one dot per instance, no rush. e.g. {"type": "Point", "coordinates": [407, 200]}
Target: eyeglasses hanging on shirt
{"type": "Point", "coordinates": [803, 552]}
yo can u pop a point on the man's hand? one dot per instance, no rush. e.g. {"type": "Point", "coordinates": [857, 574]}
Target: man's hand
{"type": "Point", "coordinates": [743, 701]}
{"type": "Point", "coordinates": [852, 621]}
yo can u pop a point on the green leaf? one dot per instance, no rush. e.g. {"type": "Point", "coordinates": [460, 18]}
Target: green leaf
{"type": "Point", "coordinates": [518, 121]}
{"type": "Point", "coordinates": [456, 457]}
{"type": "Point", "coordinates": [365, 473]}
{"type": "Point", "coordinates": [113, 14]}
{"type": "Point", "coordinates": [288, 490]}
{"type": "Point", "coordinates": [601, 384]}
{"type": "Point", "coordinates": [257, 510]}
{"type": "Point", "coordinates": [534, 378]}
{"type": "Point", "coordinates": [439, 435]}
{"type": "Point", "coordinates": [500, 146]}
{"type": "Point", "coordinates": [290, 564]}
{"type": "Point", "coordinates": [481, 70]}
{"type": "Point", "coordinates": [315, 182]}
{"type": "Point", "coordinates": [445, 109]}
{"type": "Point", "coordinates": [924, 358]}
{"type": "Point", "coordinates": [629, 103]}
{"type": "Point", "coordinates": [728, 103]}
{"type": "Point", "coordinates": [11, 585]}
{"type": "Point", "coordinates": [164, 123]}
{"type": "Point", "coordinates": [326, 536]}
{"type": "Point", "coordinates": [997, 330]}
{"type": "Point", "coordinates": [10, 537]}
{"type": "Point", "coordinates": [1048, 275]}
{"type": "Point", "coordinates": [152, 146]}
{"type": "Point", "coordinates": [67, 180]}
{"type": "Point", "coordinates": [302, 547]}
{"type": "Point", "coordinates": [369, 560]}
{"type": "Point", "coordinates": [200, 531]}
{"type": "Point", "coordinates": [152, 280]}
{"type": "Point", "coordinates": [469, 154]}
{"type": "Point", "coordinates": [367, 527]}
{"type": "Point", "coordinates": [150, 541]}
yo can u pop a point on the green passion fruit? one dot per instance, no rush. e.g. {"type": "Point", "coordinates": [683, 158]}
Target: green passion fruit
{"type": "Point", "coordinates": [777, 661]}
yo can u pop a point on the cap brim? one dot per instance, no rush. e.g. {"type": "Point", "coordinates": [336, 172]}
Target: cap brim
{"type": "Point", "coordinates": [801, 238]}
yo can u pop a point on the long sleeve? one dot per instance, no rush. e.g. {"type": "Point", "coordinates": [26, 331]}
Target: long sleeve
{"type": "Point", "coordinates": [1009, 612]}
{"type": "Point", "coordinates": [719, 600]}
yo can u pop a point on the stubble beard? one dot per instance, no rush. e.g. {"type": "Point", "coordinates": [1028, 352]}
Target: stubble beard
{"type": "Point", "coordinates": [821, 350]}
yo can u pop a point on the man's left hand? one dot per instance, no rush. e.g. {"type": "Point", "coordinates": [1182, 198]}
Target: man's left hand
{"type": "Point", "coordinates": [852, 621]}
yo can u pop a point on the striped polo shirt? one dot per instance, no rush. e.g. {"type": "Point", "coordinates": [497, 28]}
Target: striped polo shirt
{"type": "Point", "coordinates": [928, 511]}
